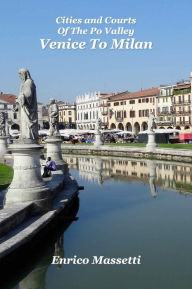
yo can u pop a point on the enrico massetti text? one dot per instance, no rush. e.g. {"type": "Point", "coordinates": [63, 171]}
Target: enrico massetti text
{"type": "Point", "coordinates": [97, 260]}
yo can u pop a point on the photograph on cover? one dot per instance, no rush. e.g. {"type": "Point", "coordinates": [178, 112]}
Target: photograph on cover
{"type": "Point", "coordinates": [95, 144]}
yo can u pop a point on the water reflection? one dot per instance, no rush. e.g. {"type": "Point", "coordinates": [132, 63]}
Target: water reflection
{"type": "Point", "coordinates": [36, 278]}
{"type": "Point", "coordinates": [34, 260]}
{"type": "Point", "coordinates": [156, 173]}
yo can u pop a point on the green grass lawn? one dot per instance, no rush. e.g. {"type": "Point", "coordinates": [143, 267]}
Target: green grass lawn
{"type": "Point", "coordinates": [126, 144]}
{"type": "Point", "coordinates": [109, 144]}
{"type": "Point", "coordinates": [176, 146]}
{"type": "Point", "coordinates": [77, 144]}
{"type": "Point", "coordinates": [6, 175]}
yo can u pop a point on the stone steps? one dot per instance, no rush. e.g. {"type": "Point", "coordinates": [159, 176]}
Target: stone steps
{"type": "Point", "coordinates": [23, 233]}
{"type": "Point", "coordinates": [18, 224]}
{"type": "Point", "coordinates": [14, 216]}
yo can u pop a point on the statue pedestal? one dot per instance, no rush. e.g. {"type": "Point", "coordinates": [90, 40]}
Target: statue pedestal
{"type": "Point", "coordinates": [98, 142]}
{"type": "Point", "coordinates": [27, 184]}
{"type": "Point", "coordinates": [151, 141]}
{"type": "Point", "coordinates": [3, 145]}
{"type": "Point", "coordinates": [54, 149]}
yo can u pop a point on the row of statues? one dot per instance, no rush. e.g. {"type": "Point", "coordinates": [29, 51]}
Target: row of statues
{"type": "Point", "coordinates": [26, 104]}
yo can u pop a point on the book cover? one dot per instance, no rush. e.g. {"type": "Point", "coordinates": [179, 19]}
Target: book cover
{"type": "Point", "coordinates": [120, 74]}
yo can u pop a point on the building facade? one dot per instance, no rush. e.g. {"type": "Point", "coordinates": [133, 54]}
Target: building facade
{"type": "Point", "coordinates": [7, 105]}
{"type": "Point", "coordinates": [182, 105]}
{"type": "Point", "coordinates": [92, 106]}
{"type": "Point", "coordinates": [67, 114]}
{"type": "Point", "coordinates": [88, 110]}
{"type": "Point", "coordinates": [165, 117]}
{"type": "Point", "coordinates": [130, 111]}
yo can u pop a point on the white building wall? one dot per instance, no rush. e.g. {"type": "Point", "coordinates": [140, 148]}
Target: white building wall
{"type": "Point", "coordinates": [88, 110]}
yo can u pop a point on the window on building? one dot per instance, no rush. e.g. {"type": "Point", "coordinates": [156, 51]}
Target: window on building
{"type": "Point", "coordinates": [121, 103]}
{"type": "Point", "coordinates": [116, 103]}
{"type": "Point", "coordinates": [125, 114]}
{"type": "Point", "coordinates": [146, 113]}
{"type": "Point", "coordinates": [70, 119]}
{"type": "Point", "coordinates": [69, 112]}
{"type": "Point", "coordinates": [143, 99]}
{"type": "Point", "coordinates": [132, 101]}
{"type": "Point", "coordinates": [118, 113]}
{"type": "Point", "coordinates": [147, 100]}
{"type": "Point", "coordinates": [15, 115]}
{"type": "Point", "coordinates": [165, 109]}
{"type": "Point", "coordinates": [139, 101]}
{"type": "Point", "coordinates": [132, 113]}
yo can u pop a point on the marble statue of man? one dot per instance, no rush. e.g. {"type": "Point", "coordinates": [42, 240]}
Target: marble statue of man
{"type": "Point", "coordinates": [53, 113]}
{"type": "Point", "coordinates": [2, 124]}
{"type": "Point", "coordinates": [151, 122]}
{"type": "Point", "coordinates": [27, 105]}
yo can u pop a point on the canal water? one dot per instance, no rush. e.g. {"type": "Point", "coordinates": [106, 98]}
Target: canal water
{"type": "Point", "coordinates": [129, 208]}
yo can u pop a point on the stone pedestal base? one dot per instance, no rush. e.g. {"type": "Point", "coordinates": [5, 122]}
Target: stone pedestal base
{"type": "Point", "coordinates": [27, 184]}
{"type": "Point", "coordinates": [98, 142]}
{"type": "Point", "coordinates": [151, 145]}
{"type": "Point", "coordinates": [3, 145]}
{"type": "Point", "coordinates": [54, 149]}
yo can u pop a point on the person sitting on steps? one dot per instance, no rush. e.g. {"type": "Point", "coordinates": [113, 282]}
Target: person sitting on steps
{"type": "Point", "coordinates": [50, 166]}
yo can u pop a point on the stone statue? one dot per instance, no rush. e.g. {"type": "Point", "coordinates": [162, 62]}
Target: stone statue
{"type": "Point", "coordinates": [53, 113]}
{"type": "Point", "coordinates": [27, 105]}
{"type": "Point", "coordinates": [98, 125]}
{"type": "Point", "coordinates": [151, 122]}
{"type": "Point", "coordinates": [2, 124]}
{"type": "Point", "coordinates": [98, 140]}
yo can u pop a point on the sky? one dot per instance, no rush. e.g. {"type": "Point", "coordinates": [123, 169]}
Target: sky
{"type": "Point", "coordinates": [65, 74]}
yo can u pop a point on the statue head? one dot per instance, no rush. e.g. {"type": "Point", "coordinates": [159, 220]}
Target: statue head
{"type": "Point", "coordinates": [52, 100]}
{"type": "Point", "coordinates": [24, 74]}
